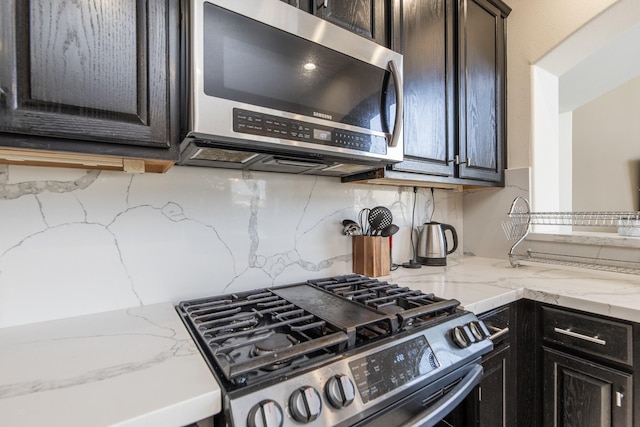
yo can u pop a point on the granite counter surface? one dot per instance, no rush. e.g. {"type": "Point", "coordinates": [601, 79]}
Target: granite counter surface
{"type": "Point", "coordinates": [140, 366]}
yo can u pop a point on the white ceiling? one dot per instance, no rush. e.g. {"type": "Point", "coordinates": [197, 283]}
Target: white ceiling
{"type": "Point", "coordinates": [600, 56]}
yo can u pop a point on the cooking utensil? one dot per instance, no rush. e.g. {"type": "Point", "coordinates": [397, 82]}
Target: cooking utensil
{"type": "Point", "coordinates": [363, 219]}
{"type": "Point", "coordinates": [379, 218]}
{"type": "Point", "coordinates": [351, 228]}
{"type": "Point", "coordinates": [346, 222]}
{"type": "Point", "coordinates": [389, 230]}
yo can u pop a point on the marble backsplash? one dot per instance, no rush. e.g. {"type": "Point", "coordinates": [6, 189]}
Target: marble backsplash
{"type": "Point", "coordinates": [75, 242]}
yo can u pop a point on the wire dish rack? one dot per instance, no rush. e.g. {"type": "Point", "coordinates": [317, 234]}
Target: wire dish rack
{"type": "Point", "coordinates": [519, 225]}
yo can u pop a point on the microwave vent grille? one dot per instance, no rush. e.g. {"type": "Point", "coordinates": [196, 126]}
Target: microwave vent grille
{"type": "Point", "coordinates": [221, 155]}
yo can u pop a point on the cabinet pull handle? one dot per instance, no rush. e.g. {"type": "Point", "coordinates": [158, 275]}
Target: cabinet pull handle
{"type": "Point", "coordinates": [619, 397]}
{"type": "Point", "coordinates": [497, 332]}
{"type": "Point", "coordinates": [456, 161]}
{"type": "Point", "coordinates": [570, 333]}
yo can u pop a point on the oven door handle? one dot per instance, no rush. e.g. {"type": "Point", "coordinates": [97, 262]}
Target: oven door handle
{"type": "Point", "coordinates": [441, 408]}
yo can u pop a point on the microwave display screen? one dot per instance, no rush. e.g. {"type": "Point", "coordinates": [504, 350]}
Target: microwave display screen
{"type": "Point", "coordinates": [251, 62]}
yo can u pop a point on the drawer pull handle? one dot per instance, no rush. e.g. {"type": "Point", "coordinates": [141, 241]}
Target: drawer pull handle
{"type": "Point", "coordinates": [497, 332]}
{"type": "Point", "coordinates": [619, 397]}
{"type": "Point", "coordinates": [580, 336]}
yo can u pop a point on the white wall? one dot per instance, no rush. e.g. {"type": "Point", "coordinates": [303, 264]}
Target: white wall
{"type": "Point", "coordinates": [595, 58]}
{"type": "Point", "coordinates": [535, 27]}
{"type": "Point", "coordinates": [74, 242]}
{"type": "Point", "coordinates": [606, 154]}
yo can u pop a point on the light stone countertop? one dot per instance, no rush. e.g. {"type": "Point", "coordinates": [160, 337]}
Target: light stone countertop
{"type": "Point", "coordinates": [134, 367]}
{"type": "Point", "coordinates": [140, 367]}
{"type": "Point", "coordinates": [481, 284]}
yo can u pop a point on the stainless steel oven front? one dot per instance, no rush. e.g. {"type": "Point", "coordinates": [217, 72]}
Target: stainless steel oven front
{"type": "Point", "coordinates": [341, 351]}
{"type": "Point", "coordinates": [413, 381]}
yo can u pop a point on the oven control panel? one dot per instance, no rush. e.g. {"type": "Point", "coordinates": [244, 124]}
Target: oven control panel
{"type": "Point", "coordinates": [379, 373]}
{"type": "Point", "coordinates": [352, 388]}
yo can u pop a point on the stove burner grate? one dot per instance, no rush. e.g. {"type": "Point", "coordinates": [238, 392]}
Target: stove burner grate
{"type": "Point", "coordinates": [316, 319]}
{"type": "Point", "coordinates": [411, 306]}
{"type": "Point", "coordinates": [231, 327]}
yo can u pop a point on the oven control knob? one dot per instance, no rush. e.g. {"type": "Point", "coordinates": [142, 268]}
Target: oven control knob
{"type": "Point", "coordinates": [479, 330]}
{"type": "Point", "coordinates": [340, 391]}
{"type": "Point", "coordinates": [266, 414]}
{"type": "Point", "coordinates": [305, 404]}
{"type": "Point", "coordinates": [459, 337]}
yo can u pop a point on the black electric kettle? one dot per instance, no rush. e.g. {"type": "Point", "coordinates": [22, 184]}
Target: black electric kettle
{"type": "Point", "coordinates": [432, 243]}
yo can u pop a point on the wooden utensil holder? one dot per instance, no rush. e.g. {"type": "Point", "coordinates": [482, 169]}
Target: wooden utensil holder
{"type": "Point", "coordinates": [371, 255]}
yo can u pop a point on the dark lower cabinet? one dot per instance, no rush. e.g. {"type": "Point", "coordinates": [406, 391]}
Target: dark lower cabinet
{"type": "Point", "coordinates": [94, 77]}
{"type": "Point", "coordinates": [580, 393]}
{"type": "Point", "coordinates": [494, 400]}
{"type": "Point", "coordinates": [555, 367]}
{"type": "Point", "coordinates": [587, 363]}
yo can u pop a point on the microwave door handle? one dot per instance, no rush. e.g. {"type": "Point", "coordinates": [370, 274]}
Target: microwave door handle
{"type": "Point", "coordinates": [397, 124]}
{"type": "Point", "coordinates": [441, 408]}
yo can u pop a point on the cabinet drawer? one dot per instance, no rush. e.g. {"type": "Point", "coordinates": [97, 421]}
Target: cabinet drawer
{"type": "Point", "coordinates": [608, 339]}
{"type": "Point", "coordinates": [497, 322]}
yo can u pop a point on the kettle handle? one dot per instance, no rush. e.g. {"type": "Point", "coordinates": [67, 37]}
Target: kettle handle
{"type": "Point", "coordinates": [446, 227]}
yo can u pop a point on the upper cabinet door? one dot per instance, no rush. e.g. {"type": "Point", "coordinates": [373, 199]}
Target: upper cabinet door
{"type": "Point", "coordinates": [428, 43]}
{"type": "Point", "coordinates": [91, 70]}
{"type": "Point", "coordinates": [369, 18]}
{"type": "Point", "coordinates": [482, 83]}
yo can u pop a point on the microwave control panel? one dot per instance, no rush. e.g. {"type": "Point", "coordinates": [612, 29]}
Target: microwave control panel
{"type": "Point", "coordinates": [253, 123]}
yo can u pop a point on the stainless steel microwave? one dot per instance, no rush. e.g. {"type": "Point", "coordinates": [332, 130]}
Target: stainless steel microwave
{"type": "Point", "coordinates": [273, 88]}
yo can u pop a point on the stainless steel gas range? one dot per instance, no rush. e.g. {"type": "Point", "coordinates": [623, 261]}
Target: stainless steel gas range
{"type": "Point", "coordinates": [340, 351]}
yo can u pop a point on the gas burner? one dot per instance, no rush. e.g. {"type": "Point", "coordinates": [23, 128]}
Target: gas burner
{"type": "Point", "coordinates": [246, 324]}
{"type": "Point", "coordinates": [273, 344]}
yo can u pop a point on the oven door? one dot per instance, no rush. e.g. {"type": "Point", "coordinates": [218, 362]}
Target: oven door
{"type": "Point", "coordinates": [429, 405]}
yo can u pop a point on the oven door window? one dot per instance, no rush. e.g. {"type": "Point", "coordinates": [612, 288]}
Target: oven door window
{"type": "Point", "coordinates": [253, 63]}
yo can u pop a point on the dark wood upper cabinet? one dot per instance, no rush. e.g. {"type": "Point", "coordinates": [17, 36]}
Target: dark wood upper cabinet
{"type": "Point", "coordinates": [482, 90]}
{"type": "Point", "coordinates": [454, 87]}
{"type": "Point", "coordinates": [94, 77]}
{"type": "Point", "coordinates": [369, 18]}
{"type": "Point", "coordinates": [428, 48]}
